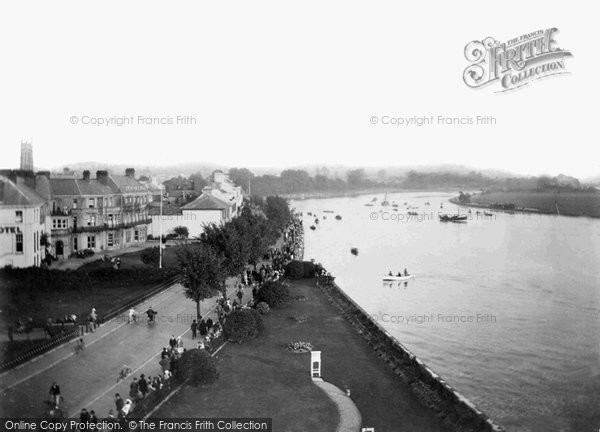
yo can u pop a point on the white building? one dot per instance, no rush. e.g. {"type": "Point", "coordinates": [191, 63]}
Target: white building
{"type": "Point", "coordinates": [219, 202]}
{"type": "Point", "coordinates": [24, 224]}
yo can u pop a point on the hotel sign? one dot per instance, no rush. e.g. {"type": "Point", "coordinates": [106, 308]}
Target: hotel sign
{"type": "Point", "coordinates": [10, 230]}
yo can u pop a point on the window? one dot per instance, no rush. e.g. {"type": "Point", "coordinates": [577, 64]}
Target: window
{"type": "Point", "coordinates": [19, 243]}
{"type": "Point", "coordinates": [74, 203]}
{"type": "Point", "coordinates": [110, 241]}
{"type": "Point", "coordinates": [91, 202]}
{"type": "Point", "coordinates": [91, 242]}
{"type": "Point", "coordinates": [91, 220]}
{"type": "Point", "coordinates": [128, 236]}
{"type": "Point", "coordinates": [59, 224]}
{"type": "Point", "coordinates": [136, 235]}
{"type": "Point", "coordinates": [19, 216]}
{"type": "Point", "coordinates": [75, 244]}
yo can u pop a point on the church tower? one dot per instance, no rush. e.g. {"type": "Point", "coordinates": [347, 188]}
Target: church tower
{"type": "Point", "coordinates": [26, 156]}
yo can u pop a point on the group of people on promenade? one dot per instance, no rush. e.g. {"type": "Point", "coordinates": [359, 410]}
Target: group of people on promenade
{"type": "Point", "coordinates": [204, 330]}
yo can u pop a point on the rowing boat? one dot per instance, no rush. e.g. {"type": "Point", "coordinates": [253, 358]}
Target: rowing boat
{"type": "Point", "coordinates": [398, 278]}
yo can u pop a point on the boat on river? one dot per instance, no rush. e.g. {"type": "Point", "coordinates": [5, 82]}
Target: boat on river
{"type": "Point", "coordinates": [354, 251]}
{"type": "Point", "coordinates": [312, 227]}
{"type": "Point", "coordinates": [385, 202]}
{"type": "Point", "coordinates": [338, 217]}
{"type": "Point", "coordinates": [453, 218]}
{"type": "Point", "coordinates": [389, 278]}
{"type": "Point", "coordinates": [327, 211]}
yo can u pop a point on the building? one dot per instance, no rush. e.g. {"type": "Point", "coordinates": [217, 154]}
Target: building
{"type": "Point", "coordinates": [24, 222]}
{"type": "Point", "coordinates": [26, 156]}
{"type": "Point", "coordinates": [223, 188]}
{"type": "Point", "coordinates": [219, 202]}
{"type": "Point", "coordinates": [102, 213]}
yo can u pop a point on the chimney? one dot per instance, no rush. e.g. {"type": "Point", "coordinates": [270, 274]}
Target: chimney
{"type": "Point", "coordinates": [86, 175]}
{"type": "Point", "coordinates": [130, 172]}
{"type": "Point", "coordinates": [102, 176]}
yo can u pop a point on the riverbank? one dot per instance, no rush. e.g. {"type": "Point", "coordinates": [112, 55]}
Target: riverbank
{"type": "Point", "coordinates": [557, 203]}
{"type": "Point", "coordinates": [280, 382]}
{"type": "Point", "coordinates": [376, 191]}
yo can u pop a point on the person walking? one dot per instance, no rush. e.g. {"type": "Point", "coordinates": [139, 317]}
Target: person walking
{"type": "Point", "coordinates": [143, 386]}
{"type": "Point", "coordinates": [203, 328]}
{"type": "Point", "coordinates": [134, 389]}
{"type": "Point", "coordinates": [55, 394]}
{"type": "Point", "coordinates": [240, 294]}
{"type": "Point", "coordinates": [119, 402]}
{"type": "Point", "coordinates": [93, 417]}
{"type": "Point", "coordinates": [194, 328]}
{"type": "Point", "coordinates": [126, 408]}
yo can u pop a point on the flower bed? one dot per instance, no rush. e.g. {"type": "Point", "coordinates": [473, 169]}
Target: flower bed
{"type": "Point", "coordinates": [299, 347]}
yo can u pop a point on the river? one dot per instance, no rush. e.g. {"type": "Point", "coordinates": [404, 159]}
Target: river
{"type": "Point", "coordinates": [505, 308]}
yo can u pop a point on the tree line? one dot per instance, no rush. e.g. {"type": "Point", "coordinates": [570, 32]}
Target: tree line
{"type": "Point", "coordinates": [225, 249]}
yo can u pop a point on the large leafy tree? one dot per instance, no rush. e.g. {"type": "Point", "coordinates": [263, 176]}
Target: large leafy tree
{"type": "Point", "coordinates": [202, 273]}
{"type": "Point", "coordinates": [230, 244]}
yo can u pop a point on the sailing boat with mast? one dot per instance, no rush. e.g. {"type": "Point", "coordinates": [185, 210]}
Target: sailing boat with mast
{"type": "Point", "coordinates": [385, 202]}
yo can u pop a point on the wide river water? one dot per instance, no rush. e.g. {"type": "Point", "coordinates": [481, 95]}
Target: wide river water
{"type": "Point", "coordinates": [505, 308]}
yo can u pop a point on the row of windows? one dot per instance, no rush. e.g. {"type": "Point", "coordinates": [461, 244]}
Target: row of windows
{"type": "Point", "coordinates": [94, 202]}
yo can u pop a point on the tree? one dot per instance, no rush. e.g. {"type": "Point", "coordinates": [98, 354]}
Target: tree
{"type": "Point", "coordinates": [181, 231]}
{"type": "Point", "coordinates": [241, 177]}
{"type": "Point", "coordinates": [229, 244]}
{"type": "Point", "coordinates": [277, 211]}
{"type": "Point", "coordinates": [356, 177]}
{"type": "Point", "coordinates": [202, 273]}
{"type": "Point", "coordinates": [198, 182]}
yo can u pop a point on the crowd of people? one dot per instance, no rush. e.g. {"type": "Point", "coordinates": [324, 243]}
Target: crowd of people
{"type": "Point", "coordinates": [204, 331]}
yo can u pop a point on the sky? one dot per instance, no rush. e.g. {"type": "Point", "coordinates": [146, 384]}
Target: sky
{"type": "Point", "coordinates": [280, 84]}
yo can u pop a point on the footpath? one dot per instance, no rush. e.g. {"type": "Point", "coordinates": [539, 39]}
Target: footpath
{"type": "Point", "coordinates": [88, 379]}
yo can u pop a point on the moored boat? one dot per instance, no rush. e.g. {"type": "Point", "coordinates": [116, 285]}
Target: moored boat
{"type": "Point", "coordinates": [398, 278]}
{"type": "Point", "coordinates": [453, 218]}
{"type": "Point", "coordinates": [354, 251]}
{"type": "Point", "coordinates": [338, 217]}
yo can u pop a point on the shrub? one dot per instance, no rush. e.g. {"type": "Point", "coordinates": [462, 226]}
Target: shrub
{"type": "Point", "coordinates": [260, 326]}
{"type": "Point", "coordinates": [242, 325]}
{"type": "Point", "coordinates": [295, 269]}
{"type": "Point", "coordinates": [309, 269]}
{"type": "Point", "coordinates": [198, 366]}
{"type": "Point", "coordinates": [150, 256]}
{"type": "Point", "coordinates": [262, 308]}
{"type": "Point", "coordinates": [273, 293]}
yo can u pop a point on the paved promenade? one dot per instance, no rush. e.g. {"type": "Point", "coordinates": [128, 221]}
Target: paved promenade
{"type": "Point", "coordinates": [89, 379]}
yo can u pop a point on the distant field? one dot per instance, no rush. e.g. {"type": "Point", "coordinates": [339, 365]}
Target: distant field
{"type": "Point", "coordinates": [569, 203]}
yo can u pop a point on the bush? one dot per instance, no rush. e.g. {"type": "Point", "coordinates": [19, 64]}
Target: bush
{"type": "Point", "coordinates": [300, 269]}
{"type": "Point", "coordinates": [150, 256]}
{"type": "Point", "coordinates": [309, 269]}
{"type": "Point", "coordinates": [262, 308]}
{"type": "Point", "coordinates": [260, 325]}
{"type": "Point", "coordinates": [198, 366]}
{"type": "Point", "coordinates": [295, 270]}
{"type": "Point", "coordinates": [242, 325]}
{"type": "Point", "coordinates": [273, 293]}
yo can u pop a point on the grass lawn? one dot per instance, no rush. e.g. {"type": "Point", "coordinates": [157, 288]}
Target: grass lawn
{"type": "Point", "coordinates": [105, 295]}
{"type": "Point", "coordinates": [569, 203]}
{"type": "Point", "coordinates": [262, 379]}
